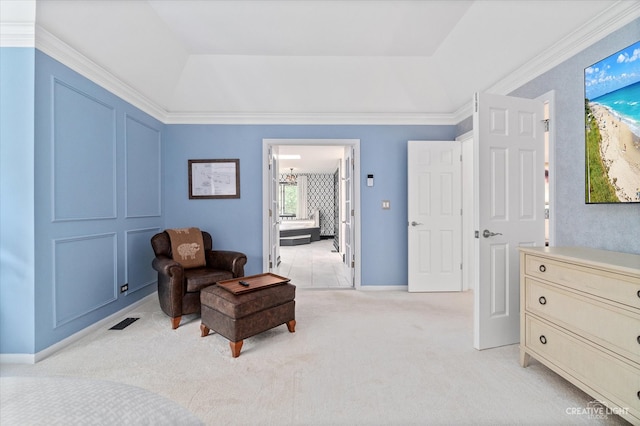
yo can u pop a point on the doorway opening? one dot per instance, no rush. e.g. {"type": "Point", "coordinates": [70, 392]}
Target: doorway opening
{"type": "Point", "coordinates": [308, 188]}
{"type": "Point", "coordinates": [548, 100]}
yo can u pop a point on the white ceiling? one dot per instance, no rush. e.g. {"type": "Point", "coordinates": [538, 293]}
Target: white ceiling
{"type": "Point", "coordinates": [313, 158]}
{"type": "Point", "coordinates": [208, 61]}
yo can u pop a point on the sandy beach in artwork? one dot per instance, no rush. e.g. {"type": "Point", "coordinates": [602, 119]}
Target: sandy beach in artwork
{"type": "Point", "coordinates": [620, 151]}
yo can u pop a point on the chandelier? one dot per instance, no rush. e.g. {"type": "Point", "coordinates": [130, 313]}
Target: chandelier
{"type": "Point", "coordinates": [290, 179]}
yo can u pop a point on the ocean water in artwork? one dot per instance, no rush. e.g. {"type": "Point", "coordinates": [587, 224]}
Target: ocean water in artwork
{"type": "Point", "coordinates": [624, 104]}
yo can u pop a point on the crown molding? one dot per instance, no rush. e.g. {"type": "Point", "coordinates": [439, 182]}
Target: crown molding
{"type": "Point", "coordinates": [312, 118]}
{"type": "Point", "coordinates": [17, 34]}
{"type": "Point", "coordinates": [464, 112]}
{"type": "Point", "coordinates": [615, 17]}
{"type": "Point", "coordinates": [62, 52]}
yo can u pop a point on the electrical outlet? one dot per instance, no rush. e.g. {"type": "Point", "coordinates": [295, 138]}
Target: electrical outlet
{"type": "Point", "coordinates": [124, 288]}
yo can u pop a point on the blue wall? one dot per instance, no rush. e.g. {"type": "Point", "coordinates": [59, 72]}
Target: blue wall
{"type": "Point", "coordinates": [236, 224]}
{"type": "Point", "coordinates": [98, 201]}
{"type": "Point", "coordinates": [605, 226]}
{"type": "Point", "coordinates": [17, 259]}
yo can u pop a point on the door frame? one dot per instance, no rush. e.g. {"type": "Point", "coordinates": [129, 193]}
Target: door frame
{"type": "Point", "coordinates": [468, 239]}
{"type": "Point", "coordinates": [355, 144]}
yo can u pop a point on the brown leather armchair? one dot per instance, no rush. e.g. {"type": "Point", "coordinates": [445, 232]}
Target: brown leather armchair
{"type": "Point", "coordinates": [179, 288]}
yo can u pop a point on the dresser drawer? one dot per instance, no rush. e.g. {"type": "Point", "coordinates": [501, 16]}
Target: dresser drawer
{"type": "Point", "coordinates": [617, 381]}
{"type": "Point", "coordinates": [617, 287]}
{"type": "Point", "coordinates": [615, 328]}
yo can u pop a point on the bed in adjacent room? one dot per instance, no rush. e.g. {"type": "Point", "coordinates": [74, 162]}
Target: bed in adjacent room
{"type": "Point", "coordinates": [300, 231]}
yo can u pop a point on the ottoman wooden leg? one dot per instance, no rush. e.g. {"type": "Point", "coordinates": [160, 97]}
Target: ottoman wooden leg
{"type": "Point", "coordinates": [291, 326]}
{"type": "Point", "coordinates": [204, 330]}
{"type": "Point", "coordinates": [235, 348]}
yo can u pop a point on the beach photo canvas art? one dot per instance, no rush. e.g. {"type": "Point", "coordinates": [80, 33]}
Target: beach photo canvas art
{"type": "Point", "coordinates": [612, 128]}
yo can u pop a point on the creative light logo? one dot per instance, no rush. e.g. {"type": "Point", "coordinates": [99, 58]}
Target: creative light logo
{"type": "Point", "coordinates": [596, 410]}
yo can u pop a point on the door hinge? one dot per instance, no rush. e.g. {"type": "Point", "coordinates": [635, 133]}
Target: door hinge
{"type": "Point", "coordinates": [477, 234]}
{"type": "Point", "coordinates": [270, 213]}
{"type": "Point", "coordinates": [546, 124]}
{"type": "Point", "coordinates": [475, 106]}
{"type": "Point", "coordinates": [461, 266]}
{"type": "Point", "coordinates": [353, 212]}
{"type": "Point", "coordinates": [353, 261]}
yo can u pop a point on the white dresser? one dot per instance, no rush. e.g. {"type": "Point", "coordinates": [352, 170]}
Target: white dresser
{"type": "Point", "coordinates": [580, 316]}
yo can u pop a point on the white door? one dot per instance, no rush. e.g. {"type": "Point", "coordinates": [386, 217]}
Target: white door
{"type": "Point", "coordinates": [435, 215]}
{"type": "Point", "coordinates": [274, 211]}
{"type": "Point", "coordinates": [509, 208]}
{"type": "Point", "coordinates": [348, 214]}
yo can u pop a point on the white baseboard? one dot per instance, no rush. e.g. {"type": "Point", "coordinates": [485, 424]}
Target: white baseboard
{"type": "Point", "coordinates": [34, 358]}
{"type": "Point", "coordinates": [404, 288]}
{"type": "Point", "coordinates": [17, 359]}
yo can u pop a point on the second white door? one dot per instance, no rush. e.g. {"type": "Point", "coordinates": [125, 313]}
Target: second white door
{"type": "Point", "coordinates": [434, 215]}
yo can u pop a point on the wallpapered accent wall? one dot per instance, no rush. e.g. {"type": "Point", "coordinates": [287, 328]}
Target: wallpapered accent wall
{"type": "Point", "coordinates": [336, 213]}
{"type": "Point", "coordinates": [321, 195]}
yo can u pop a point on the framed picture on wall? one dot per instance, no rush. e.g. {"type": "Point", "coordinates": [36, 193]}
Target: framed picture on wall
{"type": "Point", "coordinates": [214, 179]}
{"type": "Point", "coordinates": [612, 128]}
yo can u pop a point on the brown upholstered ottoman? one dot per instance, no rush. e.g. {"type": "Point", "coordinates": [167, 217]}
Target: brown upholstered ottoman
{"type": "Point", "coordinates": [238, 316]}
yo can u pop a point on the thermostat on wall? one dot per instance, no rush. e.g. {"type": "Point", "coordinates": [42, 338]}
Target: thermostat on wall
{"type": "Point", "coordinates": [369, 180]}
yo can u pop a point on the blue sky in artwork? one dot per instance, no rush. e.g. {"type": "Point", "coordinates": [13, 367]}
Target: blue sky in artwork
{"type": "Point", "coordinates": [614, 72]}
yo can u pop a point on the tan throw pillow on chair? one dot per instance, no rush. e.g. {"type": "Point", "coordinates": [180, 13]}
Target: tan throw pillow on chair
{"type": "Point", "coordinates": [187, 247]}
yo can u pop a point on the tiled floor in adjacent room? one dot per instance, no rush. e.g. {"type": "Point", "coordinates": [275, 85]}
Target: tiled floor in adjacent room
{"type": "Point", "coordinates": [314, 265]}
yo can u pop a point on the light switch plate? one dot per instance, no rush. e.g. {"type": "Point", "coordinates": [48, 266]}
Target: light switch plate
{"type": "Point", "coordinates": [386, 204]}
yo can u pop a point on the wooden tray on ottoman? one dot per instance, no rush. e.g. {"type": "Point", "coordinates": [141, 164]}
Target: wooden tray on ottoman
{"type": "Point", "coordinates": [256, 282]}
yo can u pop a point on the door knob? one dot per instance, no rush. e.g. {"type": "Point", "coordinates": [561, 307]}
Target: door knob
{"type": "Point", "coordinates": [414, 223]}
{"type": "Point", "coordinates": [486, 233]}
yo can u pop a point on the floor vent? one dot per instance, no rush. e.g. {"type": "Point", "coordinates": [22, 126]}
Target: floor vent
{"type": "Point", "coordinates": [124, 323]}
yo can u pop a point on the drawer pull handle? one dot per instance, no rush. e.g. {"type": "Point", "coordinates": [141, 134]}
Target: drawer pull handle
{"type": "Point", "coordinates": [543, 340]}
{"type": "Point", "coordinates": [543, 301]}
{"type": "Point", "coordinates": [544, 268]}
{"type": "Point", "coordinates": [638, 339]}
{"type": "Point", "coordinates": [638, 293]}
{"type": "Point", "coordinates": [638, 394]}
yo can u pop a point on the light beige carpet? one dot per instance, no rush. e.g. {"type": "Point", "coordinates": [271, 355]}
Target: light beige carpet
{"type": "Point", "coordinates": [72, 401]}
{"type": "Point", "coordinates": [356, 358]}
